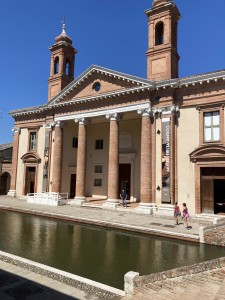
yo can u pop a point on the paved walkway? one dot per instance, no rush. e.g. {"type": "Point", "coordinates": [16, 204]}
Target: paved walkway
{"type": "Point", "coordinates": [40, 287]}
{"type": "Point", "coordinates": [20, 284]}
{"type": "Point", "coordinates": [122, 218]}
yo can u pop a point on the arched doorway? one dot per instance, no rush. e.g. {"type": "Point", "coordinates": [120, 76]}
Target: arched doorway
{"type": "Point", "coordinates": [209, 178]}
{"type": "Point", "coordinates": [31, 162]}
{"type": "Point", "coordinates": [5, 179]}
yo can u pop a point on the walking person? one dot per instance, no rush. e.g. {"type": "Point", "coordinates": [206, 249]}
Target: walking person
{"type": "Point", "coordinates": [186, 215]}
{"type": "Point", "coordinates": [123, 196]}
{"type": "Point", "coordinates": [177, 213]}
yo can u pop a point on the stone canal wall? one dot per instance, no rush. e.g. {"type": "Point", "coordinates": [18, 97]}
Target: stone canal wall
{"type": "Point", "coordinates": [215, 234]}
{"type": "Point", "coordinates": [101, 291]}
{"type": "Point", "coordinates": [133, 281]}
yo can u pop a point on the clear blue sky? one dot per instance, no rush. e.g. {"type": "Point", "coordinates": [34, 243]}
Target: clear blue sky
{"type": "Point", "coordinates": [108, 33]}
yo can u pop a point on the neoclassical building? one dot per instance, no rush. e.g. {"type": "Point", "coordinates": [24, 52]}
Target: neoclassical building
{"type": "Point", "coordinates": [160, 138]}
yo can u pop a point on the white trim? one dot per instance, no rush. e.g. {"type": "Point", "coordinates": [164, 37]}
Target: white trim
{"type": "Point", "coordinates": [104, 112]}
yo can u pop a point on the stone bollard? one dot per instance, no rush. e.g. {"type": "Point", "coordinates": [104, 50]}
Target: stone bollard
{"type": "Point", "coordinates": [129, 282]}
{"type": "Point", "coordinates": [201, 235]}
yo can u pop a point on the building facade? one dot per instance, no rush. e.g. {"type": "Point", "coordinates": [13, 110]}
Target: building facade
{"type": "Point", "coordinates": [161, 138]}
{"type": "Point", "coordinates": [5, 167]}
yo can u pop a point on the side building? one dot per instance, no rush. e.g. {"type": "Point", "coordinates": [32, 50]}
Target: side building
{"type": "Point", "coordinates": [5, 167]}
{"type": "Point", "coordinates": [161, 138]}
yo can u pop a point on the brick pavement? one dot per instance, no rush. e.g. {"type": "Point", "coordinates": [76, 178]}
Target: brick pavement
{"type": "Point", "coordinates": [208, 285]}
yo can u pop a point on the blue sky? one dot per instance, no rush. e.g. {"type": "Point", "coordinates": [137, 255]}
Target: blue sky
{"type": "Point", "coordinates": [108, 33]}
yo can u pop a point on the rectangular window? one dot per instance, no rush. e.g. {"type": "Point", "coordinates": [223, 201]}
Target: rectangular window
{"type": "Point", "coordinates": [212, 126]}
{"type": "Point", "coordinates": [98, 169]}
{"type": "Point", "coordinates": [33, 140]}
{"type": "Point", "coordinates": [97, 182]}
{"type": "Point", "coordinates": [98, 144]}
{"type": "Point", "coordinates": [75, 142]}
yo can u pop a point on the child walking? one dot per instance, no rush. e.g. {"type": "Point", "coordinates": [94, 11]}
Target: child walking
{"type": "Point", "coordinates": [176, 213]}
{"type": "Point", "coordinates": [185, 215]}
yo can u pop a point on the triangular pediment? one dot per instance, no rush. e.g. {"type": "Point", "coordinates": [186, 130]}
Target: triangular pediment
{"type": "Point", "coordinates": [31, 157]}
{"type": "Point", "coordinates": [211, 152]}
{"type": "Point", "coordinates": [97, 81]}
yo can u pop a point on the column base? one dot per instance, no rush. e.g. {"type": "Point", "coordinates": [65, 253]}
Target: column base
{"type": "Point", "coordinates": [78, 201]}
{"type": "Point", "coordinates": [111, 204]}
{"type": "Point", "coordinates": [146, 208]}
{"type": "Point", "coordinates": [166, 210]}
{"type": "Point", "coordinates": [12, 193]}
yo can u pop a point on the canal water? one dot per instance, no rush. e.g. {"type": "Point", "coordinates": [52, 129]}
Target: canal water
{"type": "Point", "coordinates": [96, 253]}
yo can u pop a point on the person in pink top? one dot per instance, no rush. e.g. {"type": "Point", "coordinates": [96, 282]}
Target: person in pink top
{"type": "Point", "coordinates": [176, 213]}
{"type": "Point", "coordinates": [186, 215]}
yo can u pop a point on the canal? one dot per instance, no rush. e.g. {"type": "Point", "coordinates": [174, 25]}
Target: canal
{"type": "Point", "coordinates": [96, 253]}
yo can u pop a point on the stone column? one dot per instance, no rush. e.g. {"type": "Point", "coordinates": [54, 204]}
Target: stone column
{"type": "Point", "coordinates": [57, 158]}
{"type": "Point", "coordinates": [81, 163]}
{"type": "Point", "coordinates": [146, 206]}
{"type": "Point", "coordinates": [113, 168]}
{"type": "Point", "coordinates": [12, 191]}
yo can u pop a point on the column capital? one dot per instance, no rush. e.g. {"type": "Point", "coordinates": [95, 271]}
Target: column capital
{"type": "Point", "coordinates": [58, 124]}
{"type": "Point", "coordinates": [175, 109]}
{"type": "Point", "coordinates": [16, 130]}
{"type": "Point", "coordinates": [113, 116]}
{"type": "Point", "coordinates": [146, 112]}
{"type": "Point", "coordinates": [81, 121]}
{"type": "Point", "coordinates": [48, 125]}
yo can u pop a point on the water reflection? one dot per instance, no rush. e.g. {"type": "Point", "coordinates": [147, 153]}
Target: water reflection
{"type": "Point", "coordinates": [98, 254]}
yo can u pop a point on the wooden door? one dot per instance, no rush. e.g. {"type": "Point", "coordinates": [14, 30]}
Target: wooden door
{"type": "Point", "coordinates": [124, 178]}
{"type": "Point", "coordinates": [30, 180]}
{"type": "Point", "coordinates": [73, 185]}
{"type": "Point", "coordinates": [207, 194]}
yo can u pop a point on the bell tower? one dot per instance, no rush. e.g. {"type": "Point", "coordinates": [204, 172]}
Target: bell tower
{"type": "Point", "coordinates": [162, 56]}
{"type": "Point", "coordinates": [62, 63]}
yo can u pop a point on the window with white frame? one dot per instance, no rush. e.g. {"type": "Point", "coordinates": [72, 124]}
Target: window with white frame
{"type": "Point", "coordinates": [212, 126]}
{"type": "Point", "coordinates": [33, 141]}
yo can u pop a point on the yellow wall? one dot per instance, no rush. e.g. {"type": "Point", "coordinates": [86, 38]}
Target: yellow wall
{"type": "Point", "coordinates": [187, 141]}
{"type": "Point", "coordinates": [40, 152]}
{"type": "Point", "coordinates": [23, 146]}
{"type": "Point", "coordinates": [69, 161]}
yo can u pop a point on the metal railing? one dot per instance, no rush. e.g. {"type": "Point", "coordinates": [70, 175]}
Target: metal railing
{"type": "Point", "coordinates": [48, 198]}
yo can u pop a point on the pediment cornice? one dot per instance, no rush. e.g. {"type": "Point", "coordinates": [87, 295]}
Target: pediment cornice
{"type": "Point", "coordinates": [107, 73]}
{"type": "Point", "coordinates": [31, 157]}
{"type": "Point", "coordinates": [209, 152]}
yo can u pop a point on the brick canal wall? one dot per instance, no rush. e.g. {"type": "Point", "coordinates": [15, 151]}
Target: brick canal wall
{"type": "Point", "coordinates": [133, 281]}
{"type": "Point", "coordinates": [215, 234]}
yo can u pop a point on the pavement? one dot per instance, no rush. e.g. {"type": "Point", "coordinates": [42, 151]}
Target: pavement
{"type": "Point", "coordinates": [121, 218]}
{"type": "Point", "coordinates": [18, 283]}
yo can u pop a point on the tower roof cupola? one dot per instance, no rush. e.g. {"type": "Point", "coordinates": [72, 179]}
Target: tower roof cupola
{"type": "Point", "coordinates": [161, 2]}
{"type": "Point", "coordinates": [63, 37]}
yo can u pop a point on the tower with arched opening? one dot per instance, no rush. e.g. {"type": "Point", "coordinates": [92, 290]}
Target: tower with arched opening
{"type": "Point", "coordinates": [162, 55]}
{"type": "Point", "coordinates": [62, 64]}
